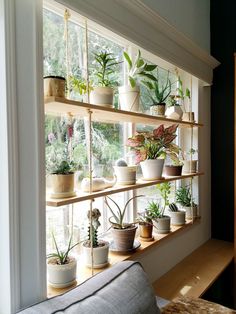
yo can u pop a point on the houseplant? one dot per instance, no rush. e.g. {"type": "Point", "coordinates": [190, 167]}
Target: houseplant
{"type": "Point", "coordinates": [188, 115]}
{"type": "Point", "coordinates": [175, 169]}
{"type": "Point", "coordinates": [106, 64]}
{"type": "Point", "coordinates": [100, 247]}
{"type": "Point", "coordinates": [174, 110]}
{"type": "Point", "coordinates": [145, 226]}
{"type": "Point", "coordinates": [138, 69]}
{"type": "Point", "coordinates": [160, 221]}
{"type": "Point", "coordinates": [150, 149]}
{"type": "Point", "coordinates": [61, 266]}
{"type": "Point", "coordinates": [159, 93]}
{"type": "Point", "coordinates": [126, 175]}
{"type": "Point", "coordinates": [184, 198]}
{"type": "Point", "coordinates": [190, 164]}
{"type": "Point", "coordinates": [177, 217]}
{"type": "Point", "coordinates": [123, 233]}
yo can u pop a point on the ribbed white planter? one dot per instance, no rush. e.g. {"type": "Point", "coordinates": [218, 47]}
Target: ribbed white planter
{"type": "Point", "coordinates": [191, 212]}
{"type": "Point", "coordinates": [152, 168]}
{"type": "Point", "coordinates": [177, 218]}
{"type": "Point", "coordinates": [129, 98]}
{"type": "Point", "coordinates": [100, 255]}
{"type": "Point", "coordinates": [102, 96]}
{"type": "Point", "coordinates": [190, 166]}
{"type": "Point", "coordinates": [60, 276]}
{"type": "Point", "coordinates": [125, 175]}
{"type": "Point", "coordinates": [174, 112]}
{"type": "Point", "coordinates": [162, 225]}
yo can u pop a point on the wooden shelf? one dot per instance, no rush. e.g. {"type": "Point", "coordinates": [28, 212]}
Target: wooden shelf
{"type": "Point", "coordinates": [116, 189]}
{"type": "Point", "coordinates": [58, 106]}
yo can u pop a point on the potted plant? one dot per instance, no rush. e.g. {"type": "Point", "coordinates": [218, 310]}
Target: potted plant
{"type": "Point", "coordinates": [174, 110]}
{"type": "Point", "coordinates": [177, 217]}
{"type": "Point", "coordinates": [190, 165]}
{"type": "Point", "coordinates": [126, 175]}
{"type": "Point", "coordinates": [129, 95]}
{"type": "Point", "coordinates": [150, 149]}
{"type": "Point", "coordinates": [160, 221]}
{"type": "Point", "coordinates": [100, 247]}
{"type": "Point", "coordinates": [175, 169]}
{"type": "Point", "coordinates": [159, 94]}
{"type": "Point", "coordinates": [145, 226]}
{"type": "Point", "coordinates": [184, 198]}
{"type": "Point", "coordinates": [188, 115]}
{"type": "Point", "coordinates": [105, 66]}
{"type": "Point", "coordinates": [61, 266]}
{"type": "Point", "coordinates": [123, 233]}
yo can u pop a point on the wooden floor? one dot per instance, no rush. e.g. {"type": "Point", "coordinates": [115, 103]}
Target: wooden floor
{"type": "Point", "coordinates": [197, 272]}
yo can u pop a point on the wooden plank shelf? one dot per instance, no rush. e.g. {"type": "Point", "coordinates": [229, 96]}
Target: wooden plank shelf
{"type": "Point", "coordinates": [82, 196]}
{"type": "Point", "coordinates": [197, 272]}
{"type": "Point", "coordinates": [58, 106]}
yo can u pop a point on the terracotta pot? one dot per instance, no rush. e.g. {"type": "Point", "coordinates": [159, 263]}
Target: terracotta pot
{"type": "Point", "coordinates": [62, 185]}
{"type": "Point", "coordinates": [177, 218]}
{"type": "Point", "coordinates": [145, 230]}
{"type": "Point", "coordinates": [125, 175]}
{"type": "Point", "coordinates": [158, 110]}
{"type": "Point", "coordinates": [173, 171]}
{"type": "Point", "coordinates": [124, 238]}
{"type": "Point", "coordinates": [162, 225]}
{"type": "Point", "coordinates": [100, 255]}
{"type": "Point", "coordinates": [54, 86]}
{"type": "Point", "coordinates": [129, 98]}
{"type": "Point", "coordinates": [188, 116]}
{"type": "Point", "coordinates": [60, 276]}
{"type": "Point", "coordinates": [152, 169]}
{"type": "Point", "coordinates": [102, 96]}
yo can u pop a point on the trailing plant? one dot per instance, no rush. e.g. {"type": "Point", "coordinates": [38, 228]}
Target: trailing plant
{"type": "Point", "coordinates": [106, 64]}
{"type": "Point", "coordinates": [139, 69]}
{"type": "Point", "coordinates": [118, 214]}
{"type": "Point", "coordinates": [62, 257]}
{"type": "Point", "coordinates": [155, 210]}
{"type": "Point", "coordinates": [173, 207]}
{"type": "Point", "coordinates": [165, 190]}
{"type": "Point", "coordinates": [95, 215]}
{"type": "Point", "coordinates": [180, 91]}
{"type": "Point", "coordinates": [152, 145]}
{"type": "Point", "coordinates": [78, 85]}
{"type": "Point", "coordinates": [184, 197]}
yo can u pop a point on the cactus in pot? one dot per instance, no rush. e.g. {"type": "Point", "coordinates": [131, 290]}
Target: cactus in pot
{"type": "Point", "coordinates": [177, 217]}
{"type": "Point", "coordinates": [126, 175]}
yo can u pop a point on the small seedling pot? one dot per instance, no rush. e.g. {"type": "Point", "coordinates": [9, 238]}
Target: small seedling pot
{"type": "Point", "coordinates": [190, 166]}
{"type": "Point", "coordinates": [173, 171]}
{"type": "Point", "coordinates": [191, 212]}
{"type": "Point", "coordinates": [62, 185]}
{"type": "Point", "coordinates": [188, 116]}
{"type": "Point", "coordinates": [145, 231]}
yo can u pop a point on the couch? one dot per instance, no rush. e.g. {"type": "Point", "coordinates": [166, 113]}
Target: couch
{"type": "Point", "coordinates": [121, 289]}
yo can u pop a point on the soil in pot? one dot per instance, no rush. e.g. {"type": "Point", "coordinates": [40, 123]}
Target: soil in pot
{"type": "Point", "coordinates": [124, 238]}
{"type": "Point", "coordinates": [54, 86]}
{"type": "Point", "coordinates": [162, 225]}
{"type": "Point", "coordinates": [145, 231]}
{"type": "Point", "coordinates": [173, 171]}
{"type": "Point", "coordinates": [158, 110]}
{"type": "Point", "coordinates": [100, 254]}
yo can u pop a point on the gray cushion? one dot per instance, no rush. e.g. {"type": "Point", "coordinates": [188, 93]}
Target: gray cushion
{"type": "Point", "coordinates": [124, 288]}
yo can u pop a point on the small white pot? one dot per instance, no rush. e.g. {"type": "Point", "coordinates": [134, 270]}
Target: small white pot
{"type": "Point", "coordinates": [162, 225]}
{"type": "Point", "coordinates": [102, 96]}
{"type": "Point", "coordinates": [158, 110]}
{"type": "Point", "coordinates": [191, 212]}
{"type": "Point", "coordinates": [125, 175]}
{"type": "Point", "coordinates": [177, 218]}
{"type": "Point", "coordinates": [190, 166]}
{"type": "Point", "coordinates": [60, 276]}
{"type": "Point", "coordinates": [188, 116]}
{"type": "Point", "coordinates": [174, 112]}
{"type": "Point", "coordinates": [152, 169]}
{"type": "Point", "coordinates": [129, 98]}
{"type": "Point", "coordinates": [100, 255]}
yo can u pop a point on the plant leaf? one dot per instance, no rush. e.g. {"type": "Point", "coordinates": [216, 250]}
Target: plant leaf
{"type": "Point", "coordinates": [127, 58]}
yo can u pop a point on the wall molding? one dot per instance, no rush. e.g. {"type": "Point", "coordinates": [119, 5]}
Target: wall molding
{"type": "Point", "coordinates": [138, 23]}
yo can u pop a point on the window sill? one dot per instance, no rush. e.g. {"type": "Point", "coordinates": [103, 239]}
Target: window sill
{"type": "Point", "coordinates": [84, 272]}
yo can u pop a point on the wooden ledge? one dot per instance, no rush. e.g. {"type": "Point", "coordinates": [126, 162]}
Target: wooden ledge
{"type": "Point", "coordinates": [197, 272]}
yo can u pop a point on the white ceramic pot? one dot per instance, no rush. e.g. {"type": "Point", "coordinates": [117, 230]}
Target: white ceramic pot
{"type": "Point", "coordinates": [100, 255]}
{"type": "Point", "coordinates": [102, 96]}
{"type": "Point", "coordinates": [162, 225]}
{"type": "Point", "coordinates": [188, 116]}
{"type": "Point", "coordinates": [158, 110]}
{"type": "Point", "coordinates": [191, 212]}
{"type": "Point", "coordinates": [174, 112]}
{"type": "Point", "coordinates": [177, 218]}
{"type": "Point", "coordinates": [62, 185]}
{"type": "Point", "coordinates": [60, 276]}
{"type": "Point", "coordinates": [129, 98]}
{"type": "Point", "coordinates": [125, 175]}
{"type": "Point", "coordinates": [152, 168]}
{"type": "Point", "coordinates": [190, 166]}
{"type": "Point", "coordinates": [54, 86]}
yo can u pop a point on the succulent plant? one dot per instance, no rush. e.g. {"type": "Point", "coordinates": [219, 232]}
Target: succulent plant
{"type": "Point", "coordinates": [121, 163]}
{"type": "Point", "coordinates": [173, 207]}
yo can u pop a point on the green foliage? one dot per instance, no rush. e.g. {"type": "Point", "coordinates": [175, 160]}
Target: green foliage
{"type": "Point", "coordinates": [173, 207]}
{"type": "Point", "coordinates": [184, 197]}
{"type": "Point", "coordinates": [78, 85]}
{"type": "Point", "coordinates": [62, 257]}
{"type": "Point", "coordinates": [105, 66]}
{"type": "Point", "coordinates": [144, 217]}
{"type": "Point", "coordinates": [181, 92]}
{"type": "Point", "coordinates": [165, 190]}
{"type": "Point", "coordinates": [118, 214]}
{"type": "Point", "coordinates": [139, 69]}
{"type": "Point", "coordinates": [154, 210]}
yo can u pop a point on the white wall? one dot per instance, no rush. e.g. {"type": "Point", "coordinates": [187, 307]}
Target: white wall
{"type": "Point", "coordinates": [191, 17]}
